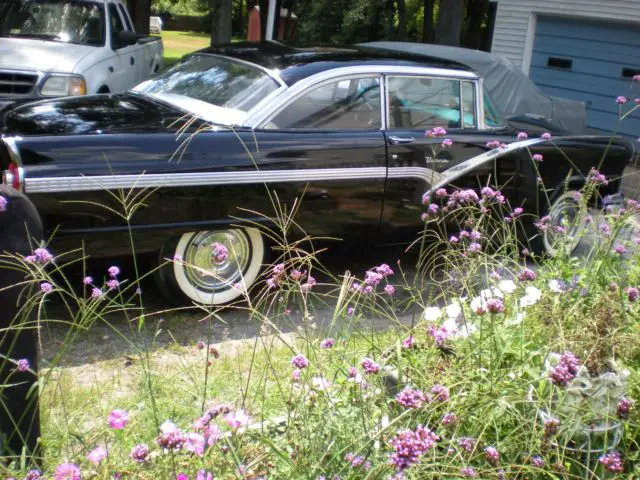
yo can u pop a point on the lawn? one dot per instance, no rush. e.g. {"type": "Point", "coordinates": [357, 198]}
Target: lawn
{"type": "Point", "coordinates": [177, 44]}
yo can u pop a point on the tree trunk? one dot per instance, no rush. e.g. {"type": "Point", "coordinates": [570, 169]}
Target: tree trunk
{"type": "Point", "coordinates": [140, 11]}
{"type": "Point", "coordinates": [220, 21]}
{"type": "Point", "coordinates": [476, 13]}
{"type": "Point", "coordinates": [402, 20]}
{"type": "Point", "coordinates": [449, 26]}
{"type": "Point", "coordinates": [428, 35]}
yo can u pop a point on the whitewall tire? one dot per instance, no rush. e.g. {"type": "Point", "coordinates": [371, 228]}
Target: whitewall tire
{"type": "Point", "coordinates": [567, 214]}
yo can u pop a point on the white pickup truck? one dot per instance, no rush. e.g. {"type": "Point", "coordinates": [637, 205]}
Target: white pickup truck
{"type": "Point", "coordinates": [52, 48]}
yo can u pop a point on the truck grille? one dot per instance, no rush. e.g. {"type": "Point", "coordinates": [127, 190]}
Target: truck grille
{"type": "Point", "coordinates": [14, 83]}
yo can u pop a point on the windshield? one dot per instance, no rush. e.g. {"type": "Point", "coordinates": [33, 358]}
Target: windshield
{"type": "Point", "coordinates": [69, 21]}
{"type": "Point", "coordinates": [215, 88]}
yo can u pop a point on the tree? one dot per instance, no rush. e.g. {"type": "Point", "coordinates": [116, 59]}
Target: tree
{"type": "Point", "coordinates": [428, 34]}
{"type": "Point", "coordinates": [221, 16]}
{"type": "Point", "coordinates": [402, 20]}
{"type": "Point", "coordinates": [450, 21]}
{"type": "Point", "coordinates": [476, 15]}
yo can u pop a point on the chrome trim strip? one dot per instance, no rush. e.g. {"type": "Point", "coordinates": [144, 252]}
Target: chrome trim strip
{"type": "Point", "coordinates": [467, 166]}
{"type": "Point", "coordinates": [480, 104]}
{"type": "Point", "coordinates": [12, 147]}
{"type": "Point", "coordinates": [263, 114]}
{"type": "Point", "coordinates": [109, 182]}
{"type": "Point", "coordinates": [273, 73]}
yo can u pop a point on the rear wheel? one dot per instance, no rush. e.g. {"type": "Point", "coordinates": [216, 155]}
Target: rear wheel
{"type": "Point", "coordinates": [194, 275]}
{"type": "Point", "coordinates": [565, 223]}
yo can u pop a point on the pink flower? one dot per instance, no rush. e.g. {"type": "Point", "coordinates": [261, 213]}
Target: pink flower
{"type": "Point", "coordinates": [436, 132]}
{"type": "Point", "coordinates": [596, 177]}
{"type": "Point", "coordinates": [177, 258]}
{"type": "Point", "coordinates": [350, 311]}
{"type": "Point", "coordinates": [612, 462]}
{"type": "Point", "coordinates": [182, 476]}
{"type": "Point", "coordinates": [408, 342]}
{"type": "Point", "coordinates": [22, 365]}
{"type": "Point", "coordinates": [295, 375]}
{"type": "Point", "coordinates": [441, 393]}
{"type": "Point", "coordinates": [42, 255]}
{"type": "Point", "coordinates": [308, 285]}
{"type": "Point", "coordinates": [527, 275]}
{"type": "Point", "coordinates": [411, 398]}
{"type": "Point", "coordinates": [632, 293]}
{"type": "Point", "coordinates": [620, 250]}
{"type": "Point", "coordinates": [448, 419]}
{"type": "Point", "coordinates": [87, 280]}
{"type": "Point", "coordinates": [219, 252]}
{"type": "Point", "coordinates": [113, 283]}
{"type": "Point", "coordinates": [46, 287]}
{"type": "Point", "coordinates": [493, 144]}
{"type": "Point", "coordinates": [328, 343]}
{"type": "Point", "coordinates": [67, 471]}
{"type": "Point", "coordinates": [621, 100]}
{"type": "Point", "coordinates": [300, 361]}
{"type": "Point", "coordinates": [96, 455]}
{"type": "Point", "coordinates": [492, 454]}
{"type": "Point", "coordinates": [537, 157]}
{"type": "Point", "coordinates": [446, 143]}
{"type": "Point", "coordinates": [389, 290]}
{"type": "Point", "coordinates": [194, 443]}
{"type": "Point", "coordinates": [636, 78]}
{"type": "Point", "coordinates": [522, 136]}
{"type": "Point", "coordinates": [139, 453]}
{"type": "Point", "coordinates": [495, 305]}
{"type": "Point", "coordinates": [118, 419]}
{"type": "Point", "coordinates": [410, 445]}
{"type": "Point", "coordinates": [96, 293]}
{"type": "Point", "coordinates": [624, 407]}
{"type": "Point", "coordinates": [545, 136]}
{"type": "Point", "coordinates": [369, 366]}
{"type": "Point", "coordinates": [237, 419]}
{"type": "Point", "coordinates": [113, 271]}
{"type": "Point", "coordinates": [204, 475]}
{"type": "Point", "coordinates": [468, 472]}
{"type": "Point", "coordinates": [3, 204]}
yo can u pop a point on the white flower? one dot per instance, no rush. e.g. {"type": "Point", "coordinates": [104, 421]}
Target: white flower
{"type": "Point", "coordinates": [507, 286]}
{"type": "Point", "coordinates": [517, 320]}
{"type": "Point", "coordinates": [451, 327]}
{"type": "Point", "coordinates": [530, 297]}
{"type": "Point", "coordinates": [458, 331]}
{"type": "Point", "coordinates": [320, 383]}
{"type": "Point", "coordinates": [454, 310]}
{"type": "Point", "coordinates": [431, 314]}
{"type": "Point", "coordinates": [168, 427]}
{"type": "Point", "coordinates": [555, 286]}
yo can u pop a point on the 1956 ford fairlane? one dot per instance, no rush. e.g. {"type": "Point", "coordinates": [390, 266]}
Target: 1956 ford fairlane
{"type": "Point", "coordinates": [342, 127]}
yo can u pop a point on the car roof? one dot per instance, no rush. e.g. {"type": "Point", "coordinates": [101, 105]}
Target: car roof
{"type": "Point", "coordinates": [296, 63]}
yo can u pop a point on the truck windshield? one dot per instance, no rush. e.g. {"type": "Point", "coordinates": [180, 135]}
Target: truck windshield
{"type": "Point", "coordinates": [70, 21]}
{"type": "Point", "coordinates": [215, 88]}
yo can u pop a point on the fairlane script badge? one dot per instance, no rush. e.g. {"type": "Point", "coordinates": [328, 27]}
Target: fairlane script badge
{"type": "Point", "coordinates": [433, 161]}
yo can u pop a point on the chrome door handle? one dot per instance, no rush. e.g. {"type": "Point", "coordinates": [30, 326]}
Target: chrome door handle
{"type": "Point", "coordinates": [401, 140]}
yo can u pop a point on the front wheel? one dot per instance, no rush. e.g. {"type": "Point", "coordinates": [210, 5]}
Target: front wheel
{"type": "Point", "coordinates": [192, 273]}
{"type": "Point", "coordinates": [563, 224]}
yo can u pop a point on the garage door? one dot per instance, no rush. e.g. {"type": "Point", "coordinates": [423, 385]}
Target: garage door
{"type": "Point", "coordinates": [591, 62]}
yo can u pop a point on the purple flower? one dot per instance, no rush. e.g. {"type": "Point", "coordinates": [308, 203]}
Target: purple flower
{"type": "Point", "coordinates": [96, 293]}
{"type": "Point", "coordinates": [22, 365]}
{"type": "Point", "coordinates": [537, 461]}
{"type": "Point", "coordinates": [140, 453]}
{"type": "Point", "coordinates": [436, 132]}
{"type": "Point", "coordinates": [517, 211]}
{"type": "Point", "coordinates": [410, 445]}
{"type": "Point", "coordinates": [87, 280]}
{"type": "Point", "coordinates": [295, 375]}
{"type": "Point", "coordinates": [545, 136]}
{"type": "Point", "coordinates": [565, 370]}
{"type": "Point", "coordinates": [296, 275]}
{"type": "Point", "coordinates": [411, 398]}
{"type": "Point", "coordinates": [67, 471]}
{"type": "Point", "coordinates": [219, 253]}
{"type": "Point", "coordinates": [389, 290]}
{"type": "Point", "coordinates": [527, 275]}
{"type": "Point", "coordinates": [118, 419]}
{"type": "Point", "coordinates": [619, 249]}
{"type": "Point", "coordinates": [369, 366]}
{"type": "Point", "coordinates": [596, 177]}
{"type": "Point", "coordinates": [42, 255]}
{"type": "Point", "coordinates": [433, 209]}
{"type": "Point", "coordinates": [33, 475]}
{"type": "Point", "coordinates": [495, 305]}
{"type": "Point", "coordinates": [624, 407]}
{"type": "Point", "coordinates": [3, 204]}
{"type": "Point", "coordinates": [96, 455]}
{"type": "Point", "coordinates": [446, 143]}
{"type": "Point", "coordinates": [538, 157]}
{"type": "Point", "coordinates": [448, 419]}
{"type": "Point", "coordinates": [46, 287]}
{"type": "Point", "coordinates": [467, 443]}
{"type": "Point", "coordinates": [113, 271]}
{"type": "Point", "coordinates": [308, 285]}
{"type": "Point", "coordinates": [300, 361]}
{"type": "Point", "coordinates": [492, 454]}
{"type": "Point", "coordinates": [636, 78]}
{"type": "Point", "coordinates": [441, 393]}
{"type": "Point", "coordinates": [621, 100]}
{"type": "Point", "coordinates": [605, 229]}
{"type": "Point", "coordinates": [204, 475]}
{"type": "Point", "coordinates": [237, 419]}
{"type": "Point", "coordinates": [408, 342]}
{"type": "Point", "coordinates": [522, 136]}
{"type": "Point", "coordinates": [113, 283]}
{"type": "Point", "coordinates": [171, 437]}
{"type": "Point", "coordinates": [352, 372]}
{"type": "Point", "coordinates": [182, 476]}
{"type": "Point", "coordinates": [493, 144]}
{"type": "Point", "coordinates": [439, 334]}
{"type": "Point", "coordinates": [350, 311]}
{"type": "Point", "coordinates": [468, 472]}
{"type": "Point", "coordinates": [328, 343]}
{"type": "Point", "coordinates": [453, 239]}
{"type": "Point", "coordinates": [612, 462]}
{"type": "Point", "coordinates": [441, 193]}
{"type": "Point", "coordinates": [194, 443]}
{"type": "Point", "coordinates": [632, 293]}
{"type": "Point", "coordinates": [384, 270]}
{"type": "Point", "coordinates": [475, 247]}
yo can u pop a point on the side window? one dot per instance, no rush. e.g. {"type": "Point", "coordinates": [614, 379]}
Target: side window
{"type": "Point", "coordinates": [423, 102]}
{"type": "Point", "coordinates": [491, 116]}
{"type": "Point", "coordinates": [469, 117]}
{"type": "Point", "coordinates": [116, 24]}
{"type": "Point", "coordinates": [125, 16]}
{"type": "Point", "coordinates": [349, 103]}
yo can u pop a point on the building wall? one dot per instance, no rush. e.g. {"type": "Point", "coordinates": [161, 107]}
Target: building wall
{"type": "Point", "coordinates": [516, 21]}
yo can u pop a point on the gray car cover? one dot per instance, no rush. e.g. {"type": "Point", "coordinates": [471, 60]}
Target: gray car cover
{"type": "Point", "coordinates": [512, 92]}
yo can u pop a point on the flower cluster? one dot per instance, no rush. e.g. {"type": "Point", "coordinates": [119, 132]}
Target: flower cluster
{"type": "Point", "coordinates": [612, 462]}
{"type": "Point", "coordinates": [39, 255]}
{"type": "Point", "coordinates": [118, 419]}
{"type": "Point", "coordinates": [171, 437]}
{"type": "Point", "coordinates": [440, 392]}
{"type": "Point", "coordinates": [596, 178]}
{"type": "Point", "coordinates": [467, 444]}
{"type": "Point", "coordinates": [492, 454]}
{"type": "Point", "coordinates": [565, 370]}
{"type": "Point", "coordinates": [219, 253]}
{"type": "Point", "coordinates": [410, 445]}
{"type": "Point", "coordinates": [140, 453]}
{"type": "Point", "coordinates": [624, 407]}
{"type": "Point", "coordinates": [327, 343]}
{"type": "Point", "coordinates": [435, 132]}
{"type": "Point", "coordinates": [551, 427]}
{"type": "Point", "coordinates": [527, 275]}
{"type": "Point", "coordinates": [373, 278]}
{"type": "Point", "coordinates": [357, 461]}
{"type": "Point", "coordinates": [300, 361]}
{"type": "Point", "coordinates": [369, 366]}
{"type": "Point", "coordinates": [411, 398]}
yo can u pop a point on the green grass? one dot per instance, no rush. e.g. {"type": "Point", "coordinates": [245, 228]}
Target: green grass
{"type": "Point", "coordinates": [178, 44]}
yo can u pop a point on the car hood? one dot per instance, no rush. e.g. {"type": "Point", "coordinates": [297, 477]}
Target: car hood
{"type": "Point", "coordinates": [95, 114]}
{"type": "Point", "coordinates": [41, 55]}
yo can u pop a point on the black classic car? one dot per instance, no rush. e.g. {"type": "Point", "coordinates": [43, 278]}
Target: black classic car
{"type": "Point", "coordinates": [206, 144]}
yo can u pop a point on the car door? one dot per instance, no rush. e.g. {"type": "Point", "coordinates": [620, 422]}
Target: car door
{"type": "Point", "coordinates": [329, 137]}
{"type": "Point", "coordinates": [420, 108]}
{"type": "Point", "coordinates": [124, 74]}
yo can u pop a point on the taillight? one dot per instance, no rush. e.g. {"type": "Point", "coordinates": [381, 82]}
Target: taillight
{"type": "Point", "coordinates": [14, 176]}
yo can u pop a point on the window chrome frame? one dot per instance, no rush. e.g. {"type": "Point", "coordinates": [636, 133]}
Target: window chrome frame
{"type": "Point", "coordinates": [264, 112]}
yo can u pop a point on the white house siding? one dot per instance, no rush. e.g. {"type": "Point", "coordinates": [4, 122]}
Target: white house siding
{"type": "Point", "coordinates": [514, 29]}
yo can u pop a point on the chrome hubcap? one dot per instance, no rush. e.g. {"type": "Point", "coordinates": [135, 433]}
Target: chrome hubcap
{"type": "Point", "coordinates": [202, 269]}
{"type": "Point", "coordinates": [565, 223]}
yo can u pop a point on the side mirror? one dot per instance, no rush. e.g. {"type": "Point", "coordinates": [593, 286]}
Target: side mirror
{"type": "Point", "coordinates": [125, 38]}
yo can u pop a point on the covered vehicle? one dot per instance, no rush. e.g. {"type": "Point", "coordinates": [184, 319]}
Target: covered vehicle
{"type": "Point", "coordinates": [206, 145]}
{"type": "Point", "coordinates": [513, 93]}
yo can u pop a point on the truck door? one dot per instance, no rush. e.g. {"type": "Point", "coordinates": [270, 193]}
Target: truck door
{"type": "Point", "coordinates": [125, 69]}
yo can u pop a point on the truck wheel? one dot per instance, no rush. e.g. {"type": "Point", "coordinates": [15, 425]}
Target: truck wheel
{"type": "Point", "coordinates": [192, 274]}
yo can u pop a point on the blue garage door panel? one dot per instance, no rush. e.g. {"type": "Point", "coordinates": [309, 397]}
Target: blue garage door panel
{"type": "Point", "coordinates": [592, 62]}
